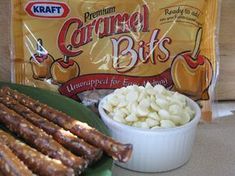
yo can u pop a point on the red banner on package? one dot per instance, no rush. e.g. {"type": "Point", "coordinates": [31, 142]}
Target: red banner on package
{"type": "Point", "coordinates": [111, 81]}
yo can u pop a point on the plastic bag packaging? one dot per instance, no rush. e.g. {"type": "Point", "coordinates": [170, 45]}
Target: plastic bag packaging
{"type": "Point", "coordinates": [86, 49]}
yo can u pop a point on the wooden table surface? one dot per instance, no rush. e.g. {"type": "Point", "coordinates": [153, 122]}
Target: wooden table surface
{"type": "Point", "coordinates": [226, 84]}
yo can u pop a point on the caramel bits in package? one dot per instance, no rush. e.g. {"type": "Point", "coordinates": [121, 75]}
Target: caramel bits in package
{"type": "Point", "coordinates": [86, 49]}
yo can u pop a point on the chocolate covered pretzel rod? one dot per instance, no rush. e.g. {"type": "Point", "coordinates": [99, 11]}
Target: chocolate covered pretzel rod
{"type": "Point", "coordinates": [65, 138]}
{"type": "Point", "coordinates": [116, 150]}
{"type": "Point", "coordinates": [10, 165]}
{"type": "Point", "coordinates": [40, 164]}
{"type": "Point", "coordinates": [37, 138]}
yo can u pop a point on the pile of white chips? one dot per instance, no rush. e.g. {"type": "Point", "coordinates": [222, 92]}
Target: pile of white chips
{"type": "Point", "coordinates": [148, 107]}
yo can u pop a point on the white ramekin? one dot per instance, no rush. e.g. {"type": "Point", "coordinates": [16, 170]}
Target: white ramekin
{"type": "Point", "coordinates": [155, 150]}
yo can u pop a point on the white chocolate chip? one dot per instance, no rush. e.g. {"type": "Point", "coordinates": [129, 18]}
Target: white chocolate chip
{"type": "Point", "coordinates": [131, 118]}
{"type": "Point", "coordinates": [154, 115]}
{"type": "Point", "coordinates": [142, 111]}
{"type": "Point", "coordinates": [154, 106]}
{"type": "Point", "coordinates": [175, 109]}
{"type": "Point", "coordinates": [167, 124]}
{"type": "Point", "coordinates": [161, 102]}
{"type": "Point", "coordinates": [132, 96]}
{"type": "Point", "coordinates": [122, 103]}
{"type": "Point", "coordinates": [113, 101]}
{"type": "Point", "coordinates": [185, 117]}
{"type": "Point", "coordinates": [108, 107]}
{"type": "Point", "coordinates": [148, 107]}
{"type": "Point", "coordinates": [152, 122]}
{"type": "Point", "coordinates": [119, 119]}
{"type": "Point", "coordinates": [165, 115]}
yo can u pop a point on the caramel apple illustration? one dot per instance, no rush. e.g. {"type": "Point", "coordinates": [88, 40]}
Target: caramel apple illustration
{"type": "Point", "coordinates": [192, 72]}
{"type": "Point", "coordinates": [64, 69]}
{"type": "Point", "coordinates": [41, 62]}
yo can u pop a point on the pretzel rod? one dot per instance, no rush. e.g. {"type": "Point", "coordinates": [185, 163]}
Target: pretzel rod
{"type": "Point", "coordinates": [65, 138]}
{"type": "Point", "coordinates": [10, 165]}
{"type": "Point", "coordinates": [40, 164]}
{"type": "Point", "coordinates": [116, 150]}
{"type": "Point", "coordinates": [37, 138]}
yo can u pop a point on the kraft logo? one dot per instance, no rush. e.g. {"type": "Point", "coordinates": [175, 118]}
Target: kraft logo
{"type": "Point", "coordinates": [47, 9]}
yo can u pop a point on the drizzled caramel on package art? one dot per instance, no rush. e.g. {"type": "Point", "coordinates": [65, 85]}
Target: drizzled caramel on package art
{"type": "Point", "coordinates": [86, 49]}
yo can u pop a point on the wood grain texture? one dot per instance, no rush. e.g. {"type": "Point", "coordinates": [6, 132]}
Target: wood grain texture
{"type": "Point", "coordinates": [5, 40]}
{"type": "Point", "coordinates": [225, 89]}
{"type": "Point", "coordinates": [226, 84]}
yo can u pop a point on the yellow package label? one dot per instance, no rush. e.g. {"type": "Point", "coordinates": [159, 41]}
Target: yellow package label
{"type": "Point", "coordinates": [85, 49]}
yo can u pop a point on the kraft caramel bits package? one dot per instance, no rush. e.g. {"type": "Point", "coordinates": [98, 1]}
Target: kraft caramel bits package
{"type": "Point", "coordinates": [86, 49]}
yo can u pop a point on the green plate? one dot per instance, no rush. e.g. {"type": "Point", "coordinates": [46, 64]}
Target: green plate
{"type": "Point", "coordinates": [74, 109]}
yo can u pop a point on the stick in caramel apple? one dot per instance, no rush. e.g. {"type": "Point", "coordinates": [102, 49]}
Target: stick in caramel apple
{"type": "Point", "coordinates": [192, 72]}
{"type": "Point", "coordinates": [196, 50]}
{"type": "Point", "coordinates": [39, 48]}
{"type": "Point", "coordinates": [41, 62]}
{"type": "Point", "coordinates": [64, 69]}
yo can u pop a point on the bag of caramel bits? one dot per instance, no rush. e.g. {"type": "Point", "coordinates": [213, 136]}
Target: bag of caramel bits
{"type": "Point", "coordinates": [86, 49]}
